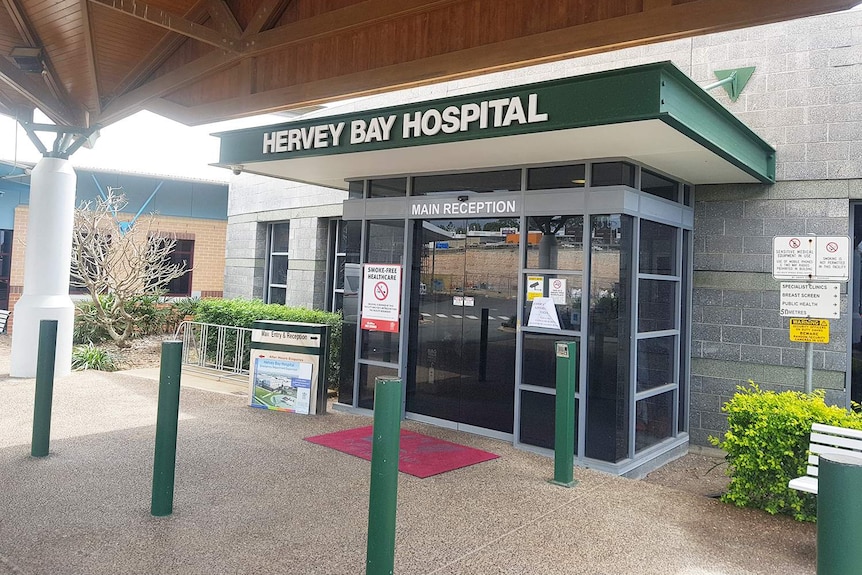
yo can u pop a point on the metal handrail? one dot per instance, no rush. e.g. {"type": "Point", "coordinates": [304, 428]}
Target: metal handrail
{"type": "Point", "coordinates": [219, 350]}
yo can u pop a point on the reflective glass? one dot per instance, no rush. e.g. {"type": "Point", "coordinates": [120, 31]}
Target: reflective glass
{"type": "Point", "coordinates": [280, 238]}
{"type": "Point", "coordinates": [564, 293]}
{"type": "Point", "coordinates": [613, 174]}
{"type": "Point", "coordinates": [385, 242]}
{"type": "Point", "coordinates": [347, 361]}
{"type": "Point", "coordinates": [657, 306]}
{"type": "Point", "coordinates": [355, 189]}
{"type": "Point", "coordinates": [653, 420]}
{"type": "Point", "coordinates": [538, 416]}
{"type": "Point", "coordinates": [657, 248]}
{"type": "Point", "coordinates": [278, 270]}
{"type": "Point", "coordinates": [555, 242]}
{"type": "Point", "coordinates": [540, 360]}
{"type": "Point", "coordinates": [387, 188]}
{"type": "Point", "coordinates": [555, 177]}
{"type": "Point", "coordinates": [379, 345]}
{"type": "Point", "coordinates": [656, 362]}
{"type": "Point", "coordinates": [277, 295]}
{"type": "Point", "coordinates": [609, 339]}
{"type": "Point", "coordinates": [478, 182]}
{"type": "Point", "coordinates": [367, 376]}
{"type": "Point", "coordinates": [659, 186]}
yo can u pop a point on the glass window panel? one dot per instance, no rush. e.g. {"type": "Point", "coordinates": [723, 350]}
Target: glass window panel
{"type": "Point", "coordinates": [479, 182]}
{"type": "Point", "coordinates": [684, 359]}
{"type": "Point", "coordinates": [686, 195]}
{"type": "Point", "coordinates": [555, 242]}
{"type": "Point", "coordinates": [609, 340]}
{"type": "Point", "coordinates": [385, 241]}
{"type": "Point", "coordinates": [659, 186]}
{"type": "Point", "coordinates": [355, 189]}
{"type": "Point", "coordinates": [339, 272]}
{"type": "Point", "coordinates": [554, 177]}
{"type": "Point", "coordinates": [387, 188]}
{"type": "Point", "coordinates": [538, 415]}
{"type": "Point", "coordinates": [347, 361]}
{"type": "Point", "coordinates": [657, 248]}
{"type": "Point", "coordinates": [278, 270]}
{"type": "Point", "coordinates": [353, 239]}
{"type": "Point", "coordinates": [655, 362]}
{"type": "Point", "coordinates": [379, 345]}
{"type": "Point", "coordinates": [613, 174]}
{"type": "Point", "coordinates": [653, 420]}
{"type": "Point", "coordinates": [280, 237]}
{"type": "Point", "coordinates": [657, 306]}
{"type": "Point", "coordinates": [277, 295]}
{"type": "Point", "coordinates": [565, 293]}
{"type": "Point", "coordinates": [367, 376]}
{"type": "Point", "coordinates": [540, 360]}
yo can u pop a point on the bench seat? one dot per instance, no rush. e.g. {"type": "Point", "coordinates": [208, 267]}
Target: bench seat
{"type": "Point", "coordinates": [826, 439]}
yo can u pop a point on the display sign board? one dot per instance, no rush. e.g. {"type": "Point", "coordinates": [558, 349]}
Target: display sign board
{"type": "Point", "coordinates": [282, 381]}
{"type": "Point", "coordinates": [810, 299]}
{"type": "Point", "coordinates": [557, 290]}
{"type": "Point", "coordinates": [811, 257]}
{"type": "Point", "coordinates": [381, 297]}
{"type": "Point", "coordinates": [543, 314]}
{"type": "Point", "coordinates": [809, 330]}
{"type": "Point", "coordinates": [285, 338]}
{"type": "Point", "coordinates": [535, 287]}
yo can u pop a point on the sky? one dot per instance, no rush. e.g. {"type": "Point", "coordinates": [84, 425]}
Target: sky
{"type": "Point", "coordinates": [144, 142]}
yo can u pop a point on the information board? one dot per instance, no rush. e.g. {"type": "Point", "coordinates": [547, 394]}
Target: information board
{"type": "Point", "coordinates": [381, 297]}
{"type": "Point", "coordinates": [810, 299]}
{"type": "Point", "coordinates": [811, 258]}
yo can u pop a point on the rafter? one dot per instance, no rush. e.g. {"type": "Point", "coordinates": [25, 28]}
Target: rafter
{"type": "Point", "coordinates": [267, 13]}
{"type": "Point", "coordinates": [170, 21]}
{"type": "Point", "coordinates": [223, 18]}
{"type": "Point", "coordinates": [37, 93]}
{"type": "Point", "coordinates": [92, 70]}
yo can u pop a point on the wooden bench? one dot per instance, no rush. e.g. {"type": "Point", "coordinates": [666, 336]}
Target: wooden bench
{"type": "Point", "coordinates": [826, 439]}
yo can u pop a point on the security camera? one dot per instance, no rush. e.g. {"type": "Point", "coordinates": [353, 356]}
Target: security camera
{"type": "Point", "coordinates": [237, 170]}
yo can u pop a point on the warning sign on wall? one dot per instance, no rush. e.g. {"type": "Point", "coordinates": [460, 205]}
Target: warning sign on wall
{"type": "Point", "coordinates": [381, 297]}
{"type": "Point", "coordinates": [809, 330]}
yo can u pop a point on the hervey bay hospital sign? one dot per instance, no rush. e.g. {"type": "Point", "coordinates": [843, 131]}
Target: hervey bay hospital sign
{"type": "Point", "coordinates": [651, 92]}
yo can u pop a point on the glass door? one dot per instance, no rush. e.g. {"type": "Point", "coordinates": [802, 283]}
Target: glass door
{"type": "Point", "coordinates": [463, 309]}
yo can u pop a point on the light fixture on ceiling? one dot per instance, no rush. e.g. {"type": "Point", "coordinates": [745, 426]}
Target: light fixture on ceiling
{"type": "Point", "coordinates": [27, 59]}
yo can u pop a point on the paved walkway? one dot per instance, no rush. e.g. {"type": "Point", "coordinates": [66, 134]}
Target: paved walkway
{"type": "Point", "coordinates": [252, 497]}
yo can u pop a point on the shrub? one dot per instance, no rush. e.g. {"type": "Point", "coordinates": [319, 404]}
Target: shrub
{"type": "Point", "coordinates": [243, 313]}
{"type": "Point", "coordinates": [91, 357]}
{"type": "Point", "coordinates": [767, 446]}
{"type": "Point", "coordinates": [151, 316]}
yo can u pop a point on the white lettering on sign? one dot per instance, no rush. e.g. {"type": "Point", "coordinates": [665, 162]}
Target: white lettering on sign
{"type": "Point", "coordinates": [496, 113]}
{"type": "Point", "coordinates": [817, 300]}
{"type": "Point", "coordinates": [448, 208]}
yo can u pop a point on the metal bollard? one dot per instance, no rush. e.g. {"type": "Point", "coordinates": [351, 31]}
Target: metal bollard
{"type": "Point", "coordinates": [839, 515]}
{"type": "Point", "coordinates": [45, 359]}
{"type": "Point", "coordinates": [165, 459]}
{"type": "Point", "coordinates": [385, 447]}
{"type": "Point", "coordinates": [564, 423]}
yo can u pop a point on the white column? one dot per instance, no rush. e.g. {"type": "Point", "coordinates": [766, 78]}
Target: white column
{"type": "Point", "coordinates": [47, 259]}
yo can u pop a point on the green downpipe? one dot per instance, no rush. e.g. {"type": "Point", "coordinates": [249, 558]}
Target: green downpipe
{"type": "Point", "coordinates": [164, 463]}
{"type": "Point", "coordinates": [839, 515]}
{"type": "Point", "coordinates": [564, 421]}
{"type": "Point", "coordinates": [45, 359]}
{"type": "Point", "coordinates": [385, 446]}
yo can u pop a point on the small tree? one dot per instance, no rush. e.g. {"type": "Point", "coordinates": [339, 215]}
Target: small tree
{"type": "Point", "coordinates": [118, 262]}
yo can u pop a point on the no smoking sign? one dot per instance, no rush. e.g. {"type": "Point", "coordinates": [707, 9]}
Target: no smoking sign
{"type": "Point", "coordinates": [381, 297]}
{"type": "Point", "coordinates": [812, 258]}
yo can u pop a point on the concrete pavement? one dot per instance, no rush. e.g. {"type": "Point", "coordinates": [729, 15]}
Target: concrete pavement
{"type": "Point", "coordinates": [253, 497]}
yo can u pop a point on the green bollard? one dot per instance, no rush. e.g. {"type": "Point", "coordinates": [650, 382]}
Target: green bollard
{"type": "Point", "coordinates": [45, 359]}
{"type": "Point", "coordinates": [385, 447]}
{"type": "Point", "coordinates": [164, 463]}
{"type": "Point", "coordinates": [839, 515]}
{"type": "Point", "coordinates": [564, 422]}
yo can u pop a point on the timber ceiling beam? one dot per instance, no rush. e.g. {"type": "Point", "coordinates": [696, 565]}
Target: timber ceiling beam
{"type": "Point", "coordinates": [91, 52]}
{"type": "Point", "coordinates": [223, 18]}
{"type": "Point", "coordinates": [268, 12]}
{"type": "Point", "coordinates": [38, 94]}
{"type": "Point", "coordinates": [170, 21]}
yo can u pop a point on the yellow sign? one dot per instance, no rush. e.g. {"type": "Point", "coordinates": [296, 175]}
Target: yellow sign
{"type": "Point", "coordinates": [535, 287]}
{"type": "Point", "coordinates": [809, 330]}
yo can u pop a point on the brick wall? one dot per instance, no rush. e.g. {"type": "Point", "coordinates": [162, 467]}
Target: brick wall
{"type": "Point", "coordinates": [209, 251]}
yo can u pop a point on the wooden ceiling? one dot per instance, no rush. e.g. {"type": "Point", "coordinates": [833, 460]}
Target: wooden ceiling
{"type": "Point", "coordinates": [198, 61]}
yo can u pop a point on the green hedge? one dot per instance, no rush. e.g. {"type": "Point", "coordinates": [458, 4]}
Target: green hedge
{"type": "Point", "coordinates": [767, 446]}
{"type": "Point", "coordinates": [244, 312]}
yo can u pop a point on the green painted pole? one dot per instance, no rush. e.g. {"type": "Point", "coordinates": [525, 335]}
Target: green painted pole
{"type": "Point", "coordinates": [385, 446]}
{"type": "Point", "coordinates": [564, 422]}
{"type": "Point", "coordinates": [45, 358]}
{"type": "Point", "coordinates": [839, 515]}
{"type": "Point", "coordinates": [164, 463]}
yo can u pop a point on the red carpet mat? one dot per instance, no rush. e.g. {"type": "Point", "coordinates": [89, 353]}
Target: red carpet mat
{"type": "Point", "coordinates": [421, 456]}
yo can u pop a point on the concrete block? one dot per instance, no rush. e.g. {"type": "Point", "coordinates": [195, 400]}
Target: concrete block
{"type": "Point", "coordinates": [826, 226]}
{"type": "Point", "coordinates": [724, 351]}
{"type": "Point", "coordinates": [742, 299]}
{"type": "Point", "coordinates": [806, 133]}
{"type": "Point", "coordinates": [826, 151]}
{"type": "Point", "coordinates": [723, 209]}
{"type": "Point", "coordinates": [788, 153]}
{"type": "Point", "coordinates": [724, 244]}
{"type": "Point", "coordinates": [765, 208]}
{"type": "Point", "coordinates": [834, 361]}
{"type": "Point", "coordinates": [846, 169]}
{"type": "Point", "coordinates": [704, 226]}
{"type": "Point", "coordinates": [695, 383]}
{"type": "Point", "coordinates": [705, 402]}
{"type": "Point", "coordinates": [706, 296]}
{"type": "Point", "coordinates": [845, 131]}
{"type": "Point", "coordinates": [714, 422]}
{"type": "Point", "coordinates": [783, 227]}
{"type": "Point", "coordinates": [778, 337]}
{"type": "Point", "coordinates": [793, 357]}
{"type": "Point", "coordinates": [764, 318]}
{"type": "Point", "coordinates": [722, 315]}
{"type": "Point", "coordinates": [740, 335]}
{"type": "Point", "coordinates": [706, 332]}
{"type": "Point", "coordinates": [772, 299]}
{"type": "Point", "coordinates": [749, 263]}
{"type": "Point", "coordinates": [760, 354]}
{"type": "Point", "coordinates": [806, 208]}
{"type": "Point", "coordinates": [820, 96]}
{"type": "Point", "coordinates": [744, 227]}
{"type": "Point", "coordinates": [708, 261]}
{"type": "Point", "coordinates": [757, 245]}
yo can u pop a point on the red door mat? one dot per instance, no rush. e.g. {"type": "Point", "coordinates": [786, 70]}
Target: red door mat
{"type": "Point", "coordinates": [421, 456]}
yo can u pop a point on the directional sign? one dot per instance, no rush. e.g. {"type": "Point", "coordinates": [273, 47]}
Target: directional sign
{"type": "Point", "coordinates": [809, 330]}
{"type": "Point", "coordinates": [810, 299]}
{"type": "Point", "coordinates": [811, 258]}
{"type": "Point", "coordinates": [381, 297]}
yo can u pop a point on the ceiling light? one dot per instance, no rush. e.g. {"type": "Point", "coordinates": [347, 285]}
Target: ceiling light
{"type": "Point", "coordinates": [27, 59]}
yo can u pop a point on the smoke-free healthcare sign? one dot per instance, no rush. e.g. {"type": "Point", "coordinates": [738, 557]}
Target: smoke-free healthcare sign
{"type": "Point", "coordinates": [381, 297]}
